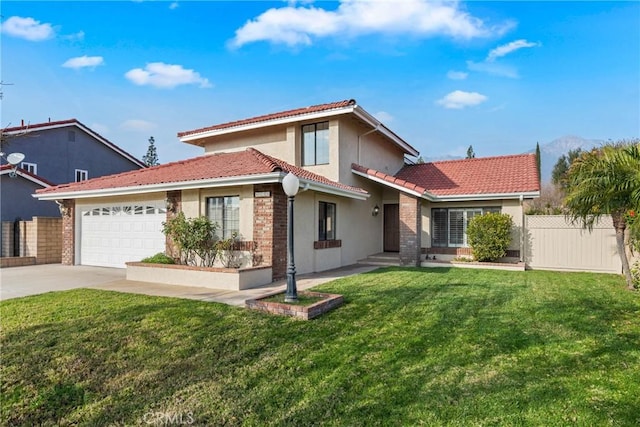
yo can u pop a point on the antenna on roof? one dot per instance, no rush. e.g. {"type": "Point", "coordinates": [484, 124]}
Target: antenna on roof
{"type": "Point", "coordinates": [3, 84]}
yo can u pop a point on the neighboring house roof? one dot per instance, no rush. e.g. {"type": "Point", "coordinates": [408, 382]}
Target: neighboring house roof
{"type": "Point", "coordinates": [216, 170]}
{"type": "Point", "coordinates": [468, 179]}
{"type": "Point", "coordinates": [6, 170]}
{"type": "Point", "coordinates": [306, 113]}
{"type": "Point", "coordinates": [24, 129]}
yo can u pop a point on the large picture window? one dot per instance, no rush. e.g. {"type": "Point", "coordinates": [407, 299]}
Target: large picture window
{"type": "Point", "coordinates": [327, 221]}
{"type": "Point", "coordinates": [449, 226]}
{"type": "Point", "coordinates": [225, 211]}
{"type": "Point", "coordinates": [315, 144]}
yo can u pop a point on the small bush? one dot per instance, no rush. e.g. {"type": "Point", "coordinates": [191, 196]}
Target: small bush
{"type": "Point", "coordinates": [159, 258]}
{"type": "Point", "coordinates": [489, 235]}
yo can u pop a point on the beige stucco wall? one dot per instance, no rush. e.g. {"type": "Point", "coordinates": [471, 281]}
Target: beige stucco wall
{"type": "Point", "coordinates": [277, 141]}
{"type": "Point", "coordinates": [359, 231]}
{"type": "Point", "coordinates": [370, 149]}
{"type": "Point", "coordinates": [511, 207]}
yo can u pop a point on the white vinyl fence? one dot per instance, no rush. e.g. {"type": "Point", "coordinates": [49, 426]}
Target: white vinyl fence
{"type": "Point", "coordinates": [552, 243]}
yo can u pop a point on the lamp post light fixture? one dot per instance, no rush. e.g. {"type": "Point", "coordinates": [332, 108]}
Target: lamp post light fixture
{"type": "Point", "coordinates": [290, 185]}
{"type": "Point", "coordinates": [13, 159]}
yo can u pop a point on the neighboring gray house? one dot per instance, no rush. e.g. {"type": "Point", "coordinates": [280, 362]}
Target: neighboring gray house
{"type": "Point", "coordinates": [55, 153]}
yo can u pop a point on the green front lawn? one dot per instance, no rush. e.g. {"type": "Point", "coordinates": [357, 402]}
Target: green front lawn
{"type": "Point", "coordinates": [409, 347]}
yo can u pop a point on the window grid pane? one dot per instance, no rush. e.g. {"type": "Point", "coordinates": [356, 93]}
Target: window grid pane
{"type": "Point", "coordinates": [326, 221]}
{"type": "Point", "coordinates": [315, 144]}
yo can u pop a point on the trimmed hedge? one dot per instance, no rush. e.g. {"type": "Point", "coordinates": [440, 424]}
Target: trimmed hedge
{"type": "Point", "coordinates": [489, 235]}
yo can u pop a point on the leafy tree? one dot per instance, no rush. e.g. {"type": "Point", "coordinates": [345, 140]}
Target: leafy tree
{"type": "Point", "coordinates": [606, 181]}
{"type": "Point", "coordinates": [560, 169]}
{"type": "Point", "coordinates": [470, 153]}
{"type": "Point", "coordinates": [538, 160]}
{"type": "Point", "coordinates": [489, 235]}
{"type": "Point", "coordinates": [420, 160]}
{"type": "Point", "coordinates": [151, 158]}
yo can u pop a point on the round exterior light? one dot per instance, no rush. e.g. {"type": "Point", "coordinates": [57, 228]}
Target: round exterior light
{"type": "Point", "coordinates": [290, 184]}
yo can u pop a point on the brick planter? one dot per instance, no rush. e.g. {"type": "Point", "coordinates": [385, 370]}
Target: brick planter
{"type": "Point", "coordinates": [304, 312]}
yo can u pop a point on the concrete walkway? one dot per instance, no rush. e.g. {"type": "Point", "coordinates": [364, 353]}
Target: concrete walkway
{"type": "Point", "coordinates": [18, 282]}
{"type": "Point", "coordinates": [236, 298]}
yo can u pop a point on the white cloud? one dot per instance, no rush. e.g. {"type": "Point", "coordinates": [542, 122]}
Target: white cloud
{"type": "Point", "coordinates": [457, 75]}
{"type": "Point", "coordinates": [79, 36]}
{"type": "Point", "coordinates": [296, 25]}
{"type": "Point", "coordinates": [508, 48]}
{"type": "Point", "coordinates": [459, 99]}
{"type": "Point", "coordinates": [174, 5]}
{"type": "Point", "coordinates": [138, 125]}
{"type": "Point", "coordinates": [84, 62]}
{"type": "Point", "coordinates": [165, 76]}
{"type": "Point", "coordinates": [27, 28]}
{"type": "Point", "coordinates": [384, 117]}
{"type": "Point", "coordinates": [494, 69]}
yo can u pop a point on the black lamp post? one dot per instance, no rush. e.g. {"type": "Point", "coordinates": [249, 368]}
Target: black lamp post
{"type": "Point", "coordinates": [290, 185]}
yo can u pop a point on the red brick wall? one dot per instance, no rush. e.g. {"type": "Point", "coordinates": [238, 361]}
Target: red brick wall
{"type": "Point", "coordinates": [174, 206]}
{"type": "Point", "coordinates": [270, 228]}
{"type": "Point", "coordinates": [68, 232]}
{"type": "Point", "coordinates": [410, 230]}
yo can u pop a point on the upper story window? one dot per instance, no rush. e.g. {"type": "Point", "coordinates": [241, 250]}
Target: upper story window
{"type": "Point", "coordinates": [81, 175]}
{"type": "Point", "coordinates": [327, 221]}
{"type": "Point", "coordinates": [225, 211]}
{"type": "Point", "coordinates": [29, 167]}
{"type": "Point", "coordinates": [315, 144]}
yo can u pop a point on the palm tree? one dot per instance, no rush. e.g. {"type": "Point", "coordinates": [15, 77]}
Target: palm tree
{"type": "Point", "coordinates": [606, 181]}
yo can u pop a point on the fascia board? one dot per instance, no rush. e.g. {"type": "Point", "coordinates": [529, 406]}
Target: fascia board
{"type": "Point", "coordinates": [392, 185]}
{"type": "Point", "coordinates": [26, 176]}
{"type": "Point", "coordinates": [154, 188]}
{"type": "Point", "coordinates": [493, 196]}
{"type": "Point", "coordinates": [323, 188]}
{"type": "Point", "coordinates": [274, 122]}
{"type": "Point", "coordinates": [373, 122]}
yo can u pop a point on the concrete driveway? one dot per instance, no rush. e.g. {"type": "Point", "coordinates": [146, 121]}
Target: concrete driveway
{"type": "Point", "coordinates": [18, 282]}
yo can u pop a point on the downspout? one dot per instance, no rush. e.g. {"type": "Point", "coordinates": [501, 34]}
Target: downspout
{"type": "Point", "coordinates": [522, 229]}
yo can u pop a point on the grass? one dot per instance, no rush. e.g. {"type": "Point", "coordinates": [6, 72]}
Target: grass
{"type": "Point", "coordinates": [436, 347]}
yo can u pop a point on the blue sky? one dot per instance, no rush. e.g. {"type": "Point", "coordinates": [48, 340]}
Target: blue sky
{"type": "Point", "coordinates": [497, 75]}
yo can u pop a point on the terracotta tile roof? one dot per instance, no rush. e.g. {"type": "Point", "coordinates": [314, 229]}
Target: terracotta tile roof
{"type": "Point", "coordinates": [273, 116]}
{"type": "Point", "coordinates": [205, 168]}
{"type": "Point", "coordinates": [389, 178]}
{"type": "Point", "coordinates": [72, 122]}
{"type": "Point", "coordinates": [488, 175]}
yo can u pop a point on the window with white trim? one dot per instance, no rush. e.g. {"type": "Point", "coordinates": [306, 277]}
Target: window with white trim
{"type": "Point", "coordinates": [315, 144]}
{"type": "Point", "coordinates": [81, 175]}
{"type": "Point", "coordinates": [224, 211]}
{"type": "Point", "coordinates": [449, 226]}
{"type": "Point", "coordinates": [29, 167]}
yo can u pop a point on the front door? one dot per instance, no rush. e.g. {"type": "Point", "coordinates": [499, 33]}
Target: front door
{"type": "Point", "coordinates": [391, 239]}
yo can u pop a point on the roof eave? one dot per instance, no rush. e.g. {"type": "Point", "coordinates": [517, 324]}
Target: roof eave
{"type": "Point", "coordinates": [307, 184]}
{"type": "Point", "coordinates": [487, 196]}
{"type": "Point", "coordinates": [27, 177]}
{"type": "Point", "coordinates": [154, 188]}
{"type": "Point", "coordinates": [390, 184]}
{"type": "Point", "coordinates": [273, 122]}
{"type": "Point", "coordinates": [389, 134]}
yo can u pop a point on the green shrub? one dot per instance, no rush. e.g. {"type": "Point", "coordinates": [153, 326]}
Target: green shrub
{"type": "Point", "coordinates": [489, 235]}
{"type": "Point", "coordinates": [159, 258]}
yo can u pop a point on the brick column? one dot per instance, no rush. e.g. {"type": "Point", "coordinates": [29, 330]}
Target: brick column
{"type": "Point", "coordinates": [410, 230]}
{"type": "Point", "coordinates": [270, 228]}
{"type": "Point", "coordinates": [174, 206]}
{"type": "Point", "coordinates": [68, 211]}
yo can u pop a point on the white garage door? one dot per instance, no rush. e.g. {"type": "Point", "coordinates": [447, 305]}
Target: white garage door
{"type": "Point", "coordinates": [111, 235]}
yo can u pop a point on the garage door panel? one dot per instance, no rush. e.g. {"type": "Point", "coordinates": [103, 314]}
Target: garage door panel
{"type": "Point", "coordinates": [115, 234]}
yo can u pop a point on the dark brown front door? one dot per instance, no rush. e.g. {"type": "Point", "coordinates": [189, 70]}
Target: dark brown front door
{"type": "Point", "coordinates": [391, 228]}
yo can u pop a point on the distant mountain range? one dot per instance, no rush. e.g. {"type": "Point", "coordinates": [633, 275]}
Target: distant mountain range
{"type": "Point", "coordinates": [551, 152]}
